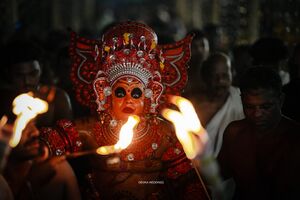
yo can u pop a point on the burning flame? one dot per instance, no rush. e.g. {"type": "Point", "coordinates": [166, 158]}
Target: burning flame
{"type": "Point", "coordinates": [189, 130]}
{"type": "Point", "coordinates": [125, 137]}
{"type": "Point", "coordinates": [26, 108]}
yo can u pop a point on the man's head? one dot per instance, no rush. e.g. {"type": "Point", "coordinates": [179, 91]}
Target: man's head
{"type": "Point", "coordinates": [200, 47]}
{"type": "Point", "coordinates": [216, 72]}
{"type": "Point", "coordinates": [127, 98]}
{"type": "Point", "coordinates": [29, 146]}
{"type": "Point", "coordinates": [269, 52]}
{"type": "Point", "coordinates": [262, 97]}
{"type": "Point", "coordinates": [23, 65]}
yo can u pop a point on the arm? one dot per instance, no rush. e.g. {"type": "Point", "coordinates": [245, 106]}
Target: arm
{"type": "Point", "coordinates": [61, 186]}
{"type": "Point", "coordinates": [5, 134]}
{"type": "Point", "coordinates": [66, 175]}
{"type": "Point", "coordinates": [223, 156]}
{"type": "Point", "coordinates": [5, 191]}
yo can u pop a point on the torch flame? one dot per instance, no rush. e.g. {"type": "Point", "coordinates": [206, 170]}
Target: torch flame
{"type": "Point", "coordinates": [187, 126]}
{"type": "Point", "coordinates": [125, 137]}
{"type": "Point", "coordinates": [126, 132]}
{"type": "Point", "coordinates": [26, 108]}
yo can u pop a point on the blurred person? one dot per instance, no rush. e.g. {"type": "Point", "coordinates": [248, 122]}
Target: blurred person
{"type": "Point", "coordinates": [261, 152]}
{"type": "Point", "coordinates": [27, 168]}
{"type": "Point", "coordinates": [32, 175]}
{"type": "Point", "coordinates": [62, 71]}
{"type": "Point", "coordinates": [23, 73]}
{"type": "Point", "coordinates": [241, 62]}
{"type": "Point", "coordinates": [219, 103]}
{"type": "Point", "coordinates": [200, 52]}
{"type": "Point", "coordinates": [5, 191]}
{"type": "Point", "coordinates": [291, 106]}
{"type": "Point", "coordinates": [271, 52]}
{"type": "Point", "coordinates": [216, 37]}
{"type": "Point", "coordinates": [5, 135]}
{"type": "Point", "coordinates": [166, 22]}
{"type": "Point", "coordinates": [200, 47]}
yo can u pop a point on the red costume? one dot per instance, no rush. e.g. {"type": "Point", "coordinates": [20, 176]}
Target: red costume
{"type": "Point", "coordinates": [125, 73]}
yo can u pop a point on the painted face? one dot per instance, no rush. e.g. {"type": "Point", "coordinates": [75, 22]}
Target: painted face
{"type": "Point", "coordinates": [262, 108]}
{"type": "Point", "coordinates": [127, 98]}
{"type": "Point", "coordinates": [26, 75]}
{"type": "Point", "coordinates": [29, 146]}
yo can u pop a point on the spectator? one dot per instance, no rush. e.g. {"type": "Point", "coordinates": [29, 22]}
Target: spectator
{"type": "Point", "coordinates": [31, 175]}
{"type": "Point", "coordinates": [219, 103]}
{"type": "Point", "coordinates": [200, 52]}
{"type": "Point", "coordinates": [271, 52]}
{"type": "Point", "coordinates": [241, 62]}
{"type": "Point", "coordinates": [291, 106]}
{"type": "Point", "coordinates": [23, 72]}
{"type": "Point", "coordinates": [261, 151]}
{"type": "Point", "coordinates": [5, 191]}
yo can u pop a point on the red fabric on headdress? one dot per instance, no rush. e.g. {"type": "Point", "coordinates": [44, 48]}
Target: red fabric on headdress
{"type": "Point", "coordinates": [128, 49]}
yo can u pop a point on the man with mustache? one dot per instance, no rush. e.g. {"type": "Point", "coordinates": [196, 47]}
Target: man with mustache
{"type": "Point", "coordinates": [32, 175]}
{"type": "Point", "coordinates": [23, 72]}
{"type": "Point", "coordinates": [261, 152]}
{"type": "Point", "coordinates": [219, 102]}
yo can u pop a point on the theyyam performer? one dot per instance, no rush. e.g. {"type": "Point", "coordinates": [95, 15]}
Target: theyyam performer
{"type": "Point", "coordinates": [126, 73]}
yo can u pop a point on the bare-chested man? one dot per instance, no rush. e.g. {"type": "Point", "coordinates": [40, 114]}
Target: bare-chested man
{"type": "Point", "coordinates": [30, 174]}
{"type": "Point", "coordinates": [261, 152]}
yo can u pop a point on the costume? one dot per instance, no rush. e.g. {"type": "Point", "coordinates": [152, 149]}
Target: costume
{"type": "Point", "coordinates": [125, 73]}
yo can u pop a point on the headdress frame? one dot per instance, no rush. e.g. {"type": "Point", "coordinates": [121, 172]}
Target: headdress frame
{"type": "Point", "coordinates": [97, 64]}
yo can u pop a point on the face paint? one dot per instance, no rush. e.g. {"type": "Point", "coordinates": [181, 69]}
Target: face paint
{"type": "Point", "coordinates": [127, 99]}
{"type": "Point", "coordinates": [135, 93]}
{"type": "Point", "coordinates": [120, 92]}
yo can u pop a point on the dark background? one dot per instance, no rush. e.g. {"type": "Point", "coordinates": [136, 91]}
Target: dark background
{"type": "Point", "coordinates": [242, 21]}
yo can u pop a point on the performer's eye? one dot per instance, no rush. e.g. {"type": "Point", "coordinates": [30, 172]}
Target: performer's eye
{"type": "Point", "coordinates": [120, 92]}
{"type": "Point", "coordinates": [136, 93]}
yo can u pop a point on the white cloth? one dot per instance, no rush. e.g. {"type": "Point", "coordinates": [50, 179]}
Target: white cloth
{"type": "Point", "coordinates": [285, 77]}
{"type": "Point", "coordinates": [231, 110]}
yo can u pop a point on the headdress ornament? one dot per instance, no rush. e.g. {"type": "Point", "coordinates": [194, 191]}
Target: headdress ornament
{"type": "Point", "coordinates": [127, 49]}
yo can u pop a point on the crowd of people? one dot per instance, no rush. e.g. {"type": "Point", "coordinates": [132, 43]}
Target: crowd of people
{"type": "Point", "coordinates": [245, 97]}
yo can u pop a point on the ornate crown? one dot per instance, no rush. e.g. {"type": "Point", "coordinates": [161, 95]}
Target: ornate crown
{"type": "Point", "coordinates": [127, 49]}
{"type": "Point", "coordinates": [129, 68]}
{"type": "Point", "coordinates": [130, 49]}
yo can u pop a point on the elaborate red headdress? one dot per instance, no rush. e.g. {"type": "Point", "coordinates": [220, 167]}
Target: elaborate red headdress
{"type": "Point", "coordinates": [128, 49]}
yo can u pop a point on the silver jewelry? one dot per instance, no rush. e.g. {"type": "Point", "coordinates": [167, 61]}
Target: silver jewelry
{"type": "Point", "coordinates": [107, 91]}
{"type": "Point", "coordinates": [148, 93]}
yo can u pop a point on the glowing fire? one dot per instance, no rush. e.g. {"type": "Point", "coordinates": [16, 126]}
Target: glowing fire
{"type": "Point", "coordinates": [125, 137]}
{"type": "Point", "coordinates": [26, 108]}
{"type": "Point", "coordinates": [189, 130]}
